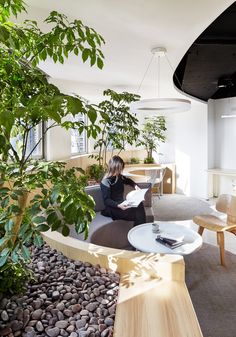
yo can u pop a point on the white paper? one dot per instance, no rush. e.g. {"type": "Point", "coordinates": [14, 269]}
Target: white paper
{"type": "Point", "coordinates": [135, 197]}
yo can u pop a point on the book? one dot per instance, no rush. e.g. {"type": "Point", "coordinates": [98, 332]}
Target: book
{"type": "Point", "coordinates": [170, 243]}
{"type": "Point", "coordinates": [134, 198]}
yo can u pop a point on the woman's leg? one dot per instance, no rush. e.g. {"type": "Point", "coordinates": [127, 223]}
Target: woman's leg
{"type": "Point", "coordinates": [140, 215]}
{"type": "Point", "coordinates": [136, 214]}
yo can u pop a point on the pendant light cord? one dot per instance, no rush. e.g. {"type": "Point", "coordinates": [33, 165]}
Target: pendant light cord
{"type": "Point", "coordinates": [158, 76]}
{"type": "Point", "coordinates": [168, 61]}
{"type": "Point", "coordinates": [139, 87]}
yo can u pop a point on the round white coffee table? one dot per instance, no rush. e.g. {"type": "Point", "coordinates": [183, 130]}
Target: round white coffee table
{"type": "Point", "coordinates": [142, 238]}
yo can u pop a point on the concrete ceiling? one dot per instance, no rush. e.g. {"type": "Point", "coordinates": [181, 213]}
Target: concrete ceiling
{"type": "Point", "coordinates": [131, 28]}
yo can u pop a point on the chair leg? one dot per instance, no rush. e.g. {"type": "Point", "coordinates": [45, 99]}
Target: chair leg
{"type": "Point", "coordinates": [200, 230]}
{"type": "Point", "coordinates": [221, 243]}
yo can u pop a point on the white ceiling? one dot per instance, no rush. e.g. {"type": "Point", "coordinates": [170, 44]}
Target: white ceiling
{"type": "Point", "coordinates": [131, 28]}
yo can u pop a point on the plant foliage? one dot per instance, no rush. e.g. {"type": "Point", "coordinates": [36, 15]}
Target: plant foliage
{"type": "Point", "coordinates": [151, 135]}
{"type": "Point", "coordinates": [95, 172]}
{"type": "Point", "coordinates": [14, 277]}
{"type": "Point", "coordinates": [38, 195]}
{"type": "Point", "coordinates": [119, 126]}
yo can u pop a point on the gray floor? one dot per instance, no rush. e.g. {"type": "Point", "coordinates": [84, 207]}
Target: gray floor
{"type": "Point", "coordinates": [212, 290]}
{"type": "Point", "coordinates": [211, 286]}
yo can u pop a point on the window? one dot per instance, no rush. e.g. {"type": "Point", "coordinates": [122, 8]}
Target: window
{"type": "Point", "coordinates": [78, 141]}
{"type": "Point", "coordinates": [34, 135]}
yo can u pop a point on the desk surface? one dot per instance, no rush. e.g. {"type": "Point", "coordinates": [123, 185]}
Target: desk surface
{"type": "Point", "coordinates": [223, 172]}
{"type": "Point", "coordinates": [142, 238]}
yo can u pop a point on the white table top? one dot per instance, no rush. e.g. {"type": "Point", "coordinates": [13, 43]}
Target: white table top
{"type": "Point", "coordinates": [142, 238]}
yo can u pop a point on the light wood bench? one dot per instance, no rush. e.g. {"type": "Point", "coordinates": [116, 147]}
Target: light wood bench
{"type": "Point", "coordinates": [153, 298]}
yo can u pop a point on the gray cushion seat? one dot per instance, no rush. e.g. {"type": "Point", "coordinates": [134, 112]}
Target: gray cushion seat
{"type": "Point", "coordinates": [106, 232]}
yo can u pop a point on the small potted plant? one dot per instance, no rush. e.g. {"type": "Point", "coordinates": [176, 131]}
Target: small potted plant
{"type": "Point", "coordinates": [134, 160]}
{"type": "Point", "coordinates": [95, 173]}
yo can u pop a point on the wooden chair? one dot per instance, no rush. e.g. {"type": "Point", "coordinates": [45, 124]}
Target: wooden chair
{"type": "Point", "coordinates": [225, 204]}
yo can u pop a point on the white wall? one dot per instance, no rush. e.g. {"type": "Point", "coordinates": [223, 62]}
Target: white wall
{"type": "Point", "coordinates": [58, 144]}
{"type": "Point", "coordinates": [223, 140]}
{"type": "Point", "coordinates": [187, 147]}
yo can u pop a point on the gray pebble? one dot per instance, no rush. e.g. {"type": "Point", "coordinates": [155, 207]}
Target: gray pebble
{"type": "Point", "coordinates": [55, 295]}
{"type": "Point", "coordinates": [67, 296]}
{"type": "Point", "coordinates": [60, 306]}
{"type": "Point", "coordinates": [84, 312]}
{"type": "Point", "coordinates": [53, 332]}
{"type": "Point", "coordinates": [109, 321]}
{"type": "Point", "coordinates": [39, 326]}
{"type": "Point", "coordinates": [68, 312]}
{"type": "Point", "coordinates": [80, 323]}
{"type": "Point", "coordinates": [73, 334]}
{"type": "Point", "coordinates": [4, 316]}
{"type": "Point", "coordinates": [92, 306]}
{"type": "Point", "coordinates": [62, 324]}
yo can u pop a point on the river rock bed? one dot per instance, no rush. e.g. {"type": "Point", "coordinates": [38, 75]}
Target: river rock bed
{"type": "Point", "coordinates": [67, 298]}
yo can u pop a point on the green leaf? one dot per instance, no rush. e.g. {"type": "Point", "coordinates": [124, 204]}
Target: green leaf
{"type": "Point", "coordinates": [25, 252]}
{"type": "Point", "coordinates": [5, 252]}
{"type": "Point", "coordinates": [100, 63]}
{"type": "Point", "coordinates": [4, 190]}
{"type": "Point", "coordinates": [5, 202]}
{"type": "Point", "coordinates": [85, 54]}
{"type": "Point", "coordinates": [15, 256]}
{"type": "Point", "coordinates": [3, 260]}
{"type": "Point", "coordinates": [43, 228]}
{"type": "Point", "coordinates": [4, 34]}
{"type": "Point", "coordinates": [45, 203]}
{"type": "Point", "coordinates": [38, 241]}
{"type": "Point", "coordinates": [92, 115]}
{"type": "Point", "coordinates": [55, 194]}
{"type": "Point", "coordinates": [56, 225]}
{"type": "Point", "coordinates": [52, 217]}
{"type": "Point", "coordinates": [74, 105]}
{"type": "Point", "coordinates": [65, 230]}
{"type": "Point", "coordinates": [15, 209]}
{"type": "Point", "coordinates": [9, 225]}
{"type": "Point", "coordinates": [14, 196]}
{"type": "Point", "coordinates": [39, 219]}
{"type": "Point", "coordinates": [54, 115]}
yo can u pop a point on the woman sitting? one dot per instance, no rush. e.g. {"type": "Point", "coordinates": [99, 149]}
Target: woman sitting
{"type": "Point", "coordinates": [112, 187]}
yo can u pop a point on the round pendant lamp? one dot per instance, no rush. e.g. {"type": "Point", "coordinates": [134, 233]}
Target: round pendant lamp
{"type": "Point", "coordinates": [160, 105]}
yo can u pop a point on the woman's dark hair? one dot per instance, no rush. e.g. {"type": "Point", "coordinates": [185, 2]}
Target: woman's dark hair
{"type": "Point", "coordinates": [115, 166]}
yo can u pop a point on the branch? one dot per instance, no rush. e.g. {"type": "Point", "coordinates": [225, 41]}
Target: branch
{"type": "Point", "coordinates": [38, 142]}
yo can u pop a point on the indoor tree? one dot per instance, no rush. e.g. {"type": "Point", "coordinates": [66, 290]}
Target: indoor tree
{"type": "Point", "coordinates": [152, 133]}
{"type": "Point", "coordinates": [27, 99]}
{"type": "Point", "coordinates": [119, 126]}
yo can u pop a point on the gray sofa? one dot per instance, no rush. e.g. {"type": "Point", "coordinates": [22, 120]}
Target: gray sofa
{"type": "Point", "coordinates": [106, 232]}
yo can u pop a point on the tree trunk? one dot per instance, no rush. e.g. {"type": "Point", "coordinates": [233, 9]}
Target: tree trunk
{"type": "Point", "coordinates": [22, 202]}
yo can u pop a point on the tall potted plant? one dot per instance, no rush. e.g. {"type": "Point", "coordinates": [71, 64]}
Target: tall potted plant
{"type": "Point", "coordinates": [119, 126]}
{"type": "Point", "coordinates": [27, 99]}
{"type": "Point", "coordinates": [151, 135]}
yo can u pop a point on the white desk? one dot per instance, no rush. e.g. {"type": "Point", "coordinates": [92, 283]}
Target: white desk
{"type": "Point", "coordinates": [151, 174]}
{"type": "Point", "coordinates": [142, 238]}
{"type": "Point", "coordinates": [214, 175]}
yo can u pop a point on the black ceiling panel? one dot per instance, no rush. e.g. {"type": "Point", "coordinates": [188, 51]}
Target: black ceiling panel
{"type": "Point", "coordinates": [208, 68]}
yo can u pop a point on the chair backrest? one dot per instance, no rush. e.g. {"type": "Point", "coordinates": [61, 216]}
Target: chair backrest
{"type": "Point", "coordinates": [223, 202]}
{"type": "Point", "coordinates": [156, 176]}
{"type": "Point", "coordinates": [226, 203]}
{"type": "Point", "coordinates": [231, 213]}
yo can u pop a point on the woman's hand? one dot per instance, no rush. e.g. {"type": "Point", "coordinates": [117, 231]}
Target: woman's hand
{"type": "Point", "coordinates": [123, 207]}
